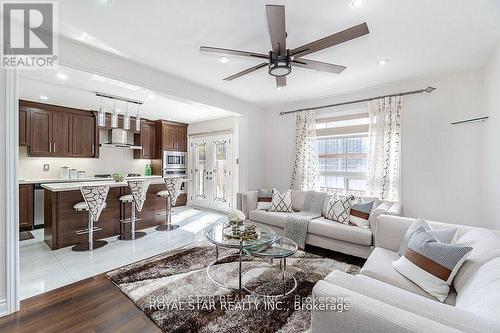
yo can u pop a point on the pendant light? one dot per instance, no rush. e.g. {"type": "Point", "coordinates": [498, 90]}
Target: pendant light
{"type": "Point", "coordinates": [138, 120]}
{"type": "Point", "coordinates": [101, 116]}
{"type": "Point", "coordinates": [126, 118]}
{"type": "Point", "coordinates": [114, 116]}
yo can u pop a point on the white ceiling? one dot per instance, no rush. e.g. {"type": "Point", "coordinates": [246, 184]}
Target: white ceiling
{"type": "Point", "coordinates": [421, 38]}
{"type": "Point", "coordinates": [78, 90]}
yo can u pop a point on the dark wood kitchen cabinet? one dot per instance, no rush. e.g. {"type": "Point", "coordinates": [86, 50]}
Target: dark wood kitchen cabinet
{"type": "Point", "coordinates": [24, 128]}
{"type": "Point", "coordinates": [58, 131]}
{"type": "Point", "coordinates": [83, 133]}
{"type": "Point", "coordinates": [147, 140]}
{"type": "Point", "coordinates": [61, 134]}
{"type": "Point", "coordinates": [172, 136]}
{"type": "Point", "coordinates": [26, 193]}
{"type": "Point", "coordinates": [41, 133]}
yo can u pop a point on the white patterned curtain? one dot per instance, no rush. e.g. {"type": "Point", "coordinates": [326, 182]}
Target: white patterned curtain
{"type": "Point", "coordinates": [305, 167]}
{"type": "Point", "coordinates": [384, 152]}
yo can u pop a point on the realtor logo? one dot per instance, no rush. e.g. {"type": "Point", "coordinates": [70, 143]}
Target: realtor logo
{"type": "Point", "coordinates": [29, 35]}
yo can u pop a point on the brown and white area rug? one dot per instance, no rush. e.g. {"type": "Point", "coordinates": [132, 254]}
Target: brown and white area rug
{"type": "Point", "coordinates": [173, 289]}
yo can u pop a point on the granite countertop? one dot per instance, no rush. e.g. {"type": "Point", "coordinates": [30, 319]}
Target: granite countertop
{"type": "Point", "coordinates": [56, 180]}
{"type": "Point", "coordinates": [71, 186]}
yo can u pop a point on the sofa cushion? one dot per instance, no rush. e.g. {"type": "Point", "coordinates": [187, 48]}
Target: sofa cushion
{"type": "Point", "coordinates": [485, 246]}
{"type": "Point", "coordinates": [379, 266]}
{"type": "Point", "coordinates": [344, 232]}
{"type": "Point", "coordinates": [481, 293]}
{"type": "Point", "coordinates": [272, 218]}
{"type": "Point", "coordinates": [298, 198]}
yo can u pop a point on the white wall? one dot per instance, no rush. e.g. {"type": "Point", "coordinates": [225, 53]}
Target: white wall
{"type": "Point", "coordinates": [491, 168]}
{"type": "Point", "coordinates": [441, 163]}
{"type": "Point", "coordinates": [3, 179]}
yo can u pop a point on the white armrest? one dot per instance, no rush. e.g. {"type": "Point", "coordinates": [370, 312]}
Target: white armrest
{"type": "Point", "coordinates": [396, 209]}
{"type": "Point", "coordinates": [246, 201]}
{"type": "Point", "coordinates": [388, 231]}
{"type": "Point", "coordinates": [406, 303]}
{"type": "Point", "coordinates": [366, 314]}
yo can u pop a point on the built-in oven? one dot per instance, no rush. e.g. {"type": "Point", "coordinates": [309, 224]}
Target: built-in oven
{"type": "Point", "coordinates": [174, 160]}
{"type": "Point", "coordinates": [182, 172]}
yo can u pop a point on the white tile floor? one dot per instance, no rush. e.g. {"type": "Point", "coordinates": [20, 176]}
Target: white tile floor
{"type": "Point", "coordinates": [42, 270]}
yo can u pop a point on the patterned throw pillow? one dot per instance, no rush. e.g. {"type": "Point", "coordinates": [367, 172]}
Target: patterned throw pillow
{"type": "Point", "coordinates": [281, 202]}
{"type": "Point", "coordinates": [360, 213]}
{"type": "Point", "coordinates": [264, 198]}
{"type": "Point", "coordinates": [431, 264]}
{"type": "Point", "coordinates": [339, 209]}
{"type": "Point", "coordinates": [442, 235]}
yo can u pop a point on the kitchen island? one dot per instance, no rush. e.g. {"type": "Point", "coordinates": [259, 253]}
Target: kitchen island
{"type": "Point", "coordinates": [61, 220]}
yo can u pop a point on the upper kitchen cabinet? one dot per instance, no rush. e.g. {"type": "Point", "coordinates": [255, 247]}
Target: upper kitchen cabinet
{"type": "Point", "coordinates": [172, 136]}
{"type": "Point", "coordinates": [40, 143]}
{"type": "Point", "coordinates": [24, 125]}
{"type": "Point", "coordinates": [83, 127]}
{"type": "Point", "coordinates": [147, 140]}
{"type": "Point", "coordinates": [56, 131]}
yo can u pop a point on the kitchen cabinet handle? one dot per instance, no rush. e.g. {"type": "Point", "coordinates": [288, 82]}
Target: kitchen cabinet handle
{"type": "Point", "coordinates": [54, 147]}
{"type": "Point", "coordinates": [50, 147]}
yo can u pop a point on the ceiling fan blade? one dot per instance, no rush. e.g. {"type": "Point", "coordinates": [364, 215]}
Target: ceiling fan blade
{"type": "Point", "coordinates": [219, 50]}
{"type": "Point", "coordinates": [332, 40]}
{"type": "Point", "coordinates": [280, 81]}
{"type": "Point", "coordinates": [318, 65]}
{"type": "Point", "coordinates": [276, 23]}
{"type": "Point", "coordinates": [246, 71]}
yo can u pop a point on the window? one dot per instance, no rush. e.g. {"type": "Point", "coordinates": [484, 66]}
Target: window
{"type": "Point", "coordinates": [342, 146]}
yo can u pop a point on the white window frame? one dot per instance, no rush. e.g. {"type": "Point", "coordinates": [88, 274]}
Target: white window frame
{"type": "Point", "coordinates": [343, 132]}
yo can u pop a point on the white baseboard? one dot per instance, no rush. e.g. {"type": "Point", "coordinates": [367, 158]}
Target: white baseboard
{"type": "Point", "coordinates": [3, 307]}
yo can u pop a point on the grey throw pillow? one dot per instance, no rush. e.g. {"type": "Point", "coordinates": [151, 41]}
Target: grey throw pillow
{"type": "Point", "coordinates": [442, 235]}
{"type": "Point", "coordinates": [431, 264]}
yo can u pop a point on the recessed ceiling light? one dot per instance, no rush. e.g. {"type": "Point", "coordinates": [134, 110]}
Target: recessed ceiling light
{"type": "Point", "coordinates": [44, 98]}
{"type": "Point", "coordinates": [105, 1]}
{"type": "Point", "coordinates": [223, 60]}
{"type": "Point", "coordinates": [357, 3]}
{"type": "Point", "coordinates": [62, 76]}
{"type": "Point", "coordinates": [382, 62]}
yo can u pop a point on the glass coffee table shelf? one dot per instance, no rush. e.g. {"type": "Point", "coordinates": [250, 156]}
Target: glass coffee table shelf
{"type": "Point", "coordinates": [266, 246]}
{"type": "Point", "coordinates": [218, 238]}
{"type": "Point", "coordinates": [280, 249]}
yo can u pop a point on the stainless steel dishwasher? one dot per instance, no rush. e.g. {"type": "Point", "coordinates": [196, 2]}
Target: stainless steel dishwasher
{"type": "Point", "coordinates": [38, 207]}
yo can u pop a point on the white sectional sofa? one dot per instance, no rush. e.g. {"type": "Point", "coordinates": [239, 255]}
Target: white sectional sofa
{"type": "Point", "coordinates": [323, 233]}
{"type": "Point", "coordinates": [382, 300]}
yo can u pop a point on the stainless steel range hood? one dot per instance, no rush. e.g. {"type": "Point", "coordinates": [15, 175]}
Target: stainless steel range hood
{"type": "Point", "coordinates": [118, 139]}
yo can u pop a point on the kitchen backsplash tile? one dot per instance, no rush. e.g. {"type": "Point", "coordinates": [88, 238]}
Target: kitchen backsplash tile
{"type": "Point", "coordinates": [110, 161]}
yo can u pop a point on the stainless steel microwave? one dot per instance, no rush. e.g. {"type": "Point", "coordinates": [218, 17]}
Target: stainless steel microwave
{"type": "Point", "coordinates": [174, 159]}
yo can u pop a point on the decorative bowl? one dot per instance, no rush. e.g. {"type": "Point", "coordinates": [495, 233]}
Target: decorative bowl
{"type": "Point", "coordinates": [118, 177]}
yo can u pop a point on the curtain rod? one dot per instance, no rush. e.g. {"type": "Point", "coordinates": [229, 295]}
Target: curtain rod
{"type": "Point", "coordinates": [428, 90]}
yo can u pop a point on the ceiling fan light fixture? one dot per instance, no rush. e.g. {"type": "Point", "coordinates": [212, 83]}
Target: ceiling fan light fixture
{"type": "Point", "coordinates": [356, 4]}
{"type": "Point", "coordinates": [280, 67]}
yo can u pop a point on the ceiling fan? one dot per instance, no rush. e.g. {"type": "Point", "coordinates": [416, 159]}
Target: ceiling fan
{"type": "Point", "coordinates": [280, 59]}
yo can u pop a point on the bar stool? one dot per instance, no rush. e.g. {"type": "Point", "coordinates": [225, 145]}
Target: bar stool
{"type": "Point", "coordinates": [170, 194]}
{"type": "Point", "coordinates": [137, 197]}
{"type": "Point", "coordinates": [95, 201]}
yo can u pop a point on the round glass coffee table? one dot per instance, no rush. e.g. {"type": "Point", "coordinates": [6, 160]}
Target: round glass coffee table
{"type": "Point", "coordinates": [280, 249]}
{"type": "Point", "coordinates": [216, 236]}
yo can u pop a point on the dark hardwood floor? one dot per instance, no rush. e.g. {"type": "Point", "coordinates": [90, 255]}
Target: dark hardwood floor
{"type": "Point", "coordinates": [91, 305]}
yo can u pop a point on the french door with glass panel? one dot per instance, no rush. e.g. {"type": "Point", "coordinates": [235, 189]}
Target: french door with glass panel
{"type": "Point", "coordinates": [210, 171]}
